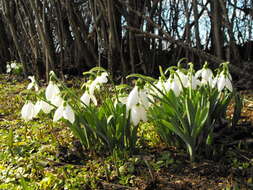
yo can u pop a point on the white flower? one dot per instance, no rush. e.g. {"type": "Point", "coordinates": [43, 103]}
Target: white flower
{"type": "Point", "coordinates": [45, 107]}
{"type": "Point", "coordinates": [14, 65]}
{"type": "Point", "coordinates": [172, 84]}
{"type": "Point", "coordinates": [193, 82]}
{"type": "Point", "coordinates": [143, 98]}
{"type": "Point", "coordinates": [8, 68]}
{"type": "Point", "coordinates": [52, 90]}
{"type": "Point", "coordinates": [160, 85]}
{"type": "Point", "coordinates": [57, 100]}
{"type": "Point", "coordinates": [206, 75]}
{"type": "Point", "coordinates": [65, 112]}
{"type": "Point", "coordinates": [102, 78]}
{"type": "Point", "coordinates": [37, 108]}
{"type": "Point", "coordinates": [28, 111]}
{"type": "Point", "coordinates": [175, 88]}
{"type": "Point", "coordinates": [214, 82]}
{"type": "Point", "coordinates": [86, 99]}
{"type": "Point", "coordinates": [99, 80]}
{"type": "Point", "coordinates": [181, 79]}
{"type": "Point", "coordinates": [92, 87]}
{"type": "Point", "coordinates": [133, 98]}
{"type": "Point", "coordinates": [53, 94]}
{"type": "Point", "coordinates": [138, 113]}
{"type": "Point", "coordinates": [32, 84]}
{"type": "Point", "coordinates": [224, 81]}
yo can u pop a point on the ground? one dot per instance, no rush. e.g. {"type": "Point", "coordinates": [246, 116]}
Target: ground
{"type": "Point", "coordinates": [42, 155]}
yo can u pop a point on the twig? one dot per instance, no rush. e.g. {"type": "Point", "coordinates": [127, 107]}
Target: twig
{"type": "Point", "coordinates": [113, 186]}
{"type": "Point", "coordinates": [182, 44]}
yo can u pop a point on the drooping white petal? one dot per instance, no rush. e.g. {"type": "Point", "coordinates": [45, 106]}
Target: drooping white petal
{"type": "Point", "coordinates": [52, 90]}
{"type": "Point", "coordinates": [49, 91]}
{"type": "Point", "coordinates": [181, 79]}
{"type": "Point", "coordinates": [214, 82]}
{"type": "Point", "coordinates": [102, 78]}
{"type": "Point", "coordinates": [32, 78]}
{"type": "Point", "coordinates": [143, 98]}
{"type": "Point", "coordinates": [69, 114]}
{"type": "Point", "coordinates": [175, 88]}
{"type": "Point", "coordinates": [14, 65]}
{"type": "Point", "coordinates": [57, 100]}
{"type": "Point", "coordinates": [27, 111]}
{"type": "Point", "coordinates": [37, 108]}
{"type": "Point", "coordinates": [8, 68]}
{"type": "Point", "coordinates": [160, 85]}
{"type": "Point", "coordinates": [228, 85]}
{"type": "Point", "coordinates": [85, 98]}
{"type": "Point", "coordinates": [143, 113]}
{"type": "Point", "coordinates": [132, 98]}
{"type": "Point", "coordinates": [198, 73]}
{"type": "Point", "coordinates": [221, 83]}
{"type": "Point", "coordinates": [92, 87]}
{"type": "Point", "coordinates": [207, 74]}
{"type": "Point", "coordinates": [192, 82]}
{"type": "Point", "coordinates": [58, 113]}
{"type": "Point", "coordinates": [30, 85]}
{"type": "Point", "coordinates": [46, 107]}
{"type": "Point", "coordinates": [36, 87]}
{"type": "Point", "coordinates": [135, 115]}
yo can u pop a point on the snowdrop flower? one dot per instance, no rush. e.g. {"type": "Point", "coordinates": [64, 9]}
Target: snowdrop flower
{"type": "Point", "coordinates": [66, 112]}
{"type": "Point", "coordinates": [85, 98]}
{"type": "Point", "coordinates": [32, 84]}
{"type": "Point", "coordinates": [53, 94]}
{"type": "Point", "coordinates": [14, 65]}
{"type": "Point", "coordinates": [138, 113]}
{"type": "Point", "coordinates": [224, 81]}
{"type": "Point", "coordinates": [181, 79]}
{"type": "Point", "coordinates": [193, 82]}
{"type": "Point", "coordinates": [133, 98]}
{"type": "Point", "coordinates": [44, 106]}
{"type": "Point", "coordinates": [137, 101]}
{"type": "Point", "coordinates": [103, 78]}
{"type": "Point", "coordinates": [173, 84]}
{"type": "Point", "coordinates": [8, 68]}
{"type": "Point", "coordinates": [214, 82]}
{"type": "Point", "coordinates": [57, 100]}
{"type": "Point", "coordinates": [160, 85]}
{"type": "Point", "coordinates": [52, 90]}
{"type": "Point", "coordinates": [37, 108]}
{"type": "Point", "coordinates": [143, 98]}
{"type": "Point", "coordinates": [28, 111]}
{"type": "Point", "coordinates": [206, 75]}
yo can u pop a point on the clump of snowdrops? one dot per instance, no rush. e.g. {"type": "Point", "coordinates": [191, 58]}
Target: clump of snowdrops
{"type": "Point", "coordinates": [184, 107]}
{"type": "Point", "coordinates": [187, 105]}
{"type": "Point", "coordinates": [14, 68]}
{"type": "Point", "coordinates": [101, 116]}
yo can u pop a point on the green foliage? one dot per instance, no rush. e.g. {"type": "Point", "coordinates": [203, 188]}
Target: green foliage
{"type": "Point", "coordinates": [184, 116]}
{"type": "Point", "coordinates": [108, 126]}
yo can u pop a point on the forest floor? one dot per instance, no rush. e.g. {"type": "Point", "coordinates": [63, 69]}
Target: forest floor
{"type": "Point", "coordinates": [42, 155]}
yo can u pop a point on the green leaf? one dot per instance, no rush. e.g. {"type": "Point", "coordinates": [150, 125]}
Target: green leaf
{"type": "Point", "coordinates": [146, 78]}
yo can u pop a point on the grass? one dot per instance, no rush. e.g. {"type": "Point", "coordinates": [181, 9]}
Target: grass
{"type": "Point", "coordinates": [42, 155]}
